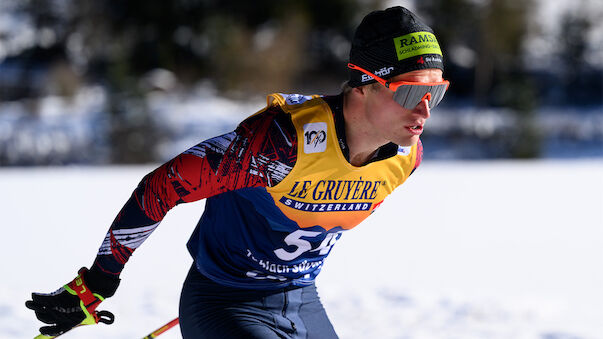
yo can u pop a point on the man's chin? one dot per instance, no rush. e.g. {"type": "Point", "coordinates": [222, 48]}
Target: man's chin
{"type": "Point", "coordinates": [406, 142]}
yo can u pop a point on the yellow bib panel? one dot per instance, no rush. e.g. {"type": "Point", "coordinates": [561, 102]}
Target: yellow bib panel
{"type": "Point", "coordinates": [323, 188]}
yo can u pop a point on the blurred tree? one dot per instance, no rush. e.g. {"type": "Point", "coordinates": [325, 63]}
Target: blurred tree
{"type": "Point", "coordinates": [245, 47]}
{"type": "Point", "coordinates": [486, 38]}
{"type": "Point", "coordinates": [456, 25]}
{"type": "Point", "coordinates": [261, 45]}
{"type": "Point", "coordinates": [504, 80]}
{"type": "Point", "coordinates": [251, 47]}
{"type": "Point", "coordinates": [575, 70]}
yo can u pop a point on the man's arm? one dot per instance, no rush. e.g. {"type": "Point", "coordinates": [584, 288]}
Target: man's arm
{"type": "Point", "coordinates": [260, 152]}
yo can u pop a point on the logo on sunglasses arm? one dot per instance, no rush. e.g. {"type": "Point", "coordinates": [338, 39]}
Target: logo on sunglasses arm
{"type": "Point", "coordinates": [315, 137]}
{"type": "Point", "coordinates": [380, 73]}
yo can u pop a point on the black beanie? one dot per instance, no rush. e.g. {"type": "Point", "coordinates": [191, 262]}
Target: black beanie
{"type": "Point", "coordinates": [392, 42]}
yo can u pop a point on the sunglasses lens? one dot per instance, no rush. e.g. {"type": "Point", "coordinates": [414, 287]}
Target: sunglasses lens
{"type": "Point", "coordinates": [437, 94]}
{"type": "Point", "coordinates": [409, 96]}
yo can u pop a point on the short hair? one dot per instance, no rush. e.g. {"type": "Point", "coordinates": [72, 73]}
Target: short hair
{"type": "Point", "coordinates": [346, 88]}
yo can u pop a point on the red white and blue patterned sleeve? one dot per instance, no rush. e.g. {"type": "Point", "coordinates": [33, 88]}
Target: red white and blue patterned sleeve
{"type": "Point", "coordinates": [259, 153]}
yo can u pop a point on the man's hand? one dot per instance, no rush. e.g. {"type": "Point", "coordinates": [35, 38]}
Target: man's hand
{"type": "Point", "coordinates": [74, 304]}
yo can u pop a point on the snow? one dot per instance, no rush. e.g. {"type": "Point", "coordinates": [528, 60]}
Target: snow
{"type": "Point", "coordinates": [503, 249]}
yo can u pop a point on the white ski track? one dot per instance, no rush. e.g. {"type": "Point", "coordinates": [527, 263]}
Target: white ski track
{"type": "Point", "coordinates": [503, 249]}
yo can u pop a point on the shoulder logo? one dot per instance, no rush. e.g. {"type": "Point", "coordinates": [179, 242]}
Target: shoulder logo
{"type": "Point", "coordinates": [315, 137]}
{"type": "Point", "coordinates": [294, 99]}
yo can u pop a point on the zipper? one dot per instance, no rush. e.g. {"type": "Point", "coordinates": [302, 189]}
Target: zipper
{"type": "Point", "coordinates": [285, 303]}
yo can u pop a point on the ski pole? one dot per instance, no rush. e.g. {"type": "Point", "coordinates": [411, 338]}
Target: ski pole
{"type": "Point", "coordinates": [162, 329]}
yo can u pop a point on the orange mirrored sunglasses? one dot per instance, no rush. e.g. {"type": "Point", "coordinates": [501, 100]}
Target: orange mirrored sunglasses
{"type": "Point", "coordinates": [410, 94]}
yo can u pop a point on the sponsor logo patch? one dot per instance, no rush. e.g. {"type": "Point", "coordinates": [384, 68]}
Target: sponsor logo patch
{"type": "Point", "coordinates": [404, 150]}
{"type": "Point", "coordinates": [383, 72]}
{"type": "Point", "coordinates": [417, 43]}
{"type": "Point", "coordinates": [435, 58]}
{"type": "Point", "coordinates": [332, 195]}
{"type": "Point", "coordinates": [315, 137]}
{"type": "Point", "coordinates": [326, 207]}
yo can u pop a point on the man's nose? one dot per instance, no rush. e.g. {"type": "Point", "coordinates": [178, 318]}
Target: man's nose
{"type": "Point", "coordinates": [423, 108]}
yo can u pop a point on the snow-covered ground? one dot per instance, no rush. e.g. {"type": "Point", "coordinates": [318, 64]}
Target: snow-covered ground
{"type": "Point", "coordinates": [462, 250]}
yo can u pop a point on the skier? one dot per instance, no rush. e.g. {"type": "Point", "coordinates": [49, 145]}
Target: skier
{"type": "Point", "coordinates": [281, 189]}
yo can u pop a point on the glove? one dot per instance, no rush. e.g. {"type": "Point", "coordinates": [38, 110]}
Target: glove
{"type": "Point", "coordinates": [75, 303]}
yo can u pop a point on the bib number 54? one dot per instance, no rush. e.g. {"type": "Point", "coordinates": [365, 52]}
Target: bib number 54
{"type": "Point", "coordinates": [302, 245]}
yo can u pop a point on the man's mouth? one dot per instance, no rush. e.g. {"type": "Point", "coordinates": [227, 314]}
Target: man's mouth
{"type": "Point", "coordinates": [415, 129]}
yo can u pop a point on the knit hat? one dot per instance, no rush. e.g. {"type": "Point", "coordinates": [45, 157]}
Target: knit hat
{"type": "Point", "coordinates": [392, 42]}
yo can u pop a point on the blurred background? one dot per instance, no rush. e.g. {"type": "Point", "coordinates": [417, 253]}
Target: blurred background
{"type": "Point", "coordinates": [468, 249]}
{"type": "Point", "coordinates": [116, 82]}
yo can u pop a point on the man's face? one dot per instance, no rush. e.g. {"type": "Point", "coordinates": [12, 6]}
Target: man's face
{"type": "Point", "coordinates": [388, 119]}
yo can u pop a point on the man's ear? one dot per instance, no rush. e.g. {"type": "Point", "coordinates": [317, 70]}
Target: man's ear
{"type": "Point", "coordinates": [361, 90]}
